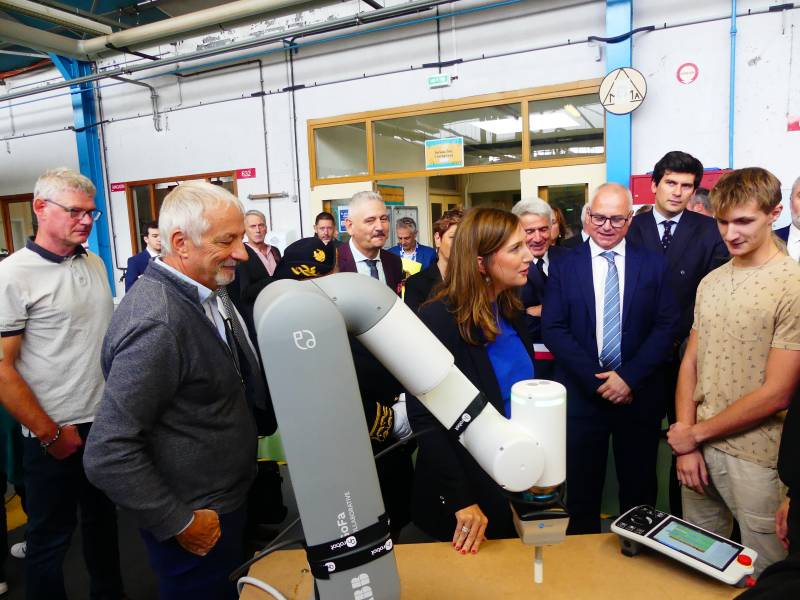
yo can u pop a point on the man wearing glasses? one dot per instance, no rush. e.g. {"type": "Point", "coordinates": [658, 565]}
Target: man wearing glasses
{"type": "Point", "coordinates": [56, 306]}
{"type": "Point", "coordinates": [608, 319]}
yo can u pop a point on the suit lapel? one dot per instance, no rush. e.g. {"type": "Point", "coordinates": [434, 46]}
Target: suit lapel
{"type": "Point", "coordinates": [346, 261]}
{"type": "Point", "coordinates": [632, 268]}
{"type": "Point", "coordinates": [584, 269]}
{"type": "Point", "coordinates": [684, 232]}
{"type": "Point", "coordinates": [650, 236]}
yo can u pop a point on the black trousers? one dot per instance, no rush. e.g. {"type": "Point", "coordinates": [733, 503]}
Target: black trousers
{"type": "Point", "coordinates": [56, 491]}
{"type": "Point", "coordinates": [794, 524]}
{"type": "Point", "coordinates": [183, 575]}
{"type": "Point", "coordinates": [635, 447]}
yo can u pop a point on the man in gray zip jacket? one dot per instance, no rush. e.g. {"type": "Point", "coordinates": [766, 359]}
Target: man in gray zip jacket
{"type": "Point", "coordinates": [174, 440]}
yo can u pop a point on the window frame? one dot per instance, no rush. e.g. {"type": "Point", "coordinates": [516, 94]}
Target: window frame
{"type": "Point", "coordinates": [523, 97]}
{"type": "Point", "coordinates": [136, 242]}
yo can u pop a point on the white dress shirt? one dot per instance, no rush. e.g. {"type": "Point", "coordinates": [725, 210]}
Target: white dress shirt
{"type": "Point", "coordinates": [208, 299]}
{"type": "Point", "coordinates": [361, 264]}
{"type": "Point", "coordinates": [793, 243]}
{"type": "Point", "coordinates": [660, 222]}
{"type": "Point", "coordinates": [599, 272]}
{"type": "Point", "coordinates": [546, 258]}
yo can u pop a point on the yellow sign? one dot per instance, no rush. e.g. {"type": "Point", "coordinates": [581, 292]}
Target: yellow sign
{"type": "Point", "coordinates": [446, 153]}
{"type": "Point", "coordinates": [392, 194]}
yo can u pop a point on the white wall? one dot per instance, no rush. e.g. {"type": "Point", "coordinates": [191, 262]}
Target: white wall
{"type": "Point", "coordinates": [212, 122]}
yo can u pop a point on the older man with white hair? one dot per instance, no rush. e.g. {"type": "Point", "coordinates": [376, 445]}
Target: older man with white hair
{"type": "Point", "coordinates": [536, 218]}
{"type": "Point", "coordinates": [174, 441]}
{"type": "Point", "coordinates": [367, 224]}
{"type": "Point", "coordinates": [56, 306]}
{"type": "Point", "coordinates": [608, 319]}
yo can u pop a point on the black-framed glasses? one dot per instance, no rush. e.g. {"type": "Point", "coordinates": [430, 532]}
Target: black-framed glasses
{"type": "Point", "coordinates": [77, 213]}
{"type": "Point", "coordinates": [617, 221]}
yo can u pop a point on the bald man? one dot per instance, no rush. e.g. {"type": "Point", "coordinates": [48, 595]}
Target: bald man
{"type": "Point", "coordinates": [608, 319]}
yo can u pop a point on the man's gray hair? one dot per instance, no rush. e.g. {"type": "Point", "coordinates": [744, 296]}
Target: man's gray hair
{"type": "Point", "coordinates": [185, 209]}
{"type": "Point", "coordinates": [408, 223]}
{"type": "Point", "coordinates": [614, 186]}
{"type": "Point", "coordinates": [361, 198]}
{"type": "Point", "coordinates": [796, 184]}
{"type": "Point", "coordinates": [584, 212]}
{"type": "Point", "coordinates": [533, 206]}
{"type": "Point", "coordinates": [54, 181]}
{"type": "Point", "coordinates": [256, 213]}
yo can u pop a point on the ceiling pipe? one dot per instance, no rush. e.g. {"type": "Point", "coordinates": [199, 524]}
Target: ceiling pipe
{"type": "Point", "coordinates": [358, 19]}
{"type": "Point", "coordinates": [54, 15]}
{"type": "Point", "coordinates": [38, 39]}
{"type": "Point", "coordinates": [162, 31]}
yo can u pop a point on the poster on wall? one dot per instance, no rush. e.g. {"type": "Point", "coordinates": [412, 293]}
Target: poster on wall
{"type": "Point", "coordinates": [445, 153]}
{"type": "Point", "coordinates": [392, 194]}
{"type": "Point", "coordinates": [343, 212]}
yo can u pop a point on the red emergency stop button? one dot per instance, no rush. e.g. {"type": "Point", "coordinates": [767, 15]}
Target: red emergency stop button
{"type": "Point", "coordinates": [745, 560]}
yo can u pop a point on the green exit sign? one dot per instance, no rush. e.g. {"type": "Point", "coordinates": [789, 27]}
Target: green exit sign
{"type": "Point", "coordinates": [437, 81]}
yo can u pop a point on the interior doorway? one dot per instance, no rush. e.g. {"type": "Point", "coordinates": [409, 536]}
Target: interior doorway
{"type": "Point", "coordinates": [17, 223]}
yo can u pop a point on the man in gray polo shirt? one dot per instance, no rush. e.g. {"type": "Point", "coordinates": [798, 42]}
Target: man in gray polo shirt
{"type": "Point", "coordinates": [56, 306]}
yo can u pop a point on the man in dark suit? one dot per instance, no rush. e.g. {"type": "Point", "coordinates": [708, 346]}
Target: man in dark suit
{"type": "Point", "coordinates": [608, 319]}
{"type": "Point", "coordinates": [325, 229]}
{"type": "Point", "coordinates": [138, 262]}
{"type": "Point", "coordinates": [367, 223]}
{"type": "Point", "coordinates": [256, 272]}
{"type": "Point", "coordinates": [407, 245]}
{"type": "Point", "coordinates": [536, 218]}
{"type": "Point", "coordinates": [692, 246]}
{"type": "Point", "coordinates": [791, 233]}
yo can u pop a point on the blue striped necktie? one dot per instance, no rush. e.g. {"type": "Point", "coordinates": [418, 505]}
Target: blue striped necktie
{"type": "Point", "coordinates": [611, 355]}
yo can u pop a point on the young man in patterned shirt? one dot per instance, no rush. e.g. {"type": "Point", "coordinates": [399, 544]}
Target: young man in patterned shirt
{"type": "Point", "coordinates": [741, 366]}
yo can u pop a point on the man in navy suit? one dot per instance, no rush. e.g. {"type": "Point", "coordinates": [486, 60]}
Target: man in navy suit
{"type": "Point", "coordinates": [791, 233]}
{"type": "Point", "coordinates": [367, 223]}
{"type": "Point", "coordinates": [408, 247]}
{"type": "Point", "coordinates": [536, 218]}
{"type": "Point", "coordinates": [608, 319]}
{"type": "Point", "coordinates": [138, 262]}
{"type": "Point", "coordinates": [692, 246]}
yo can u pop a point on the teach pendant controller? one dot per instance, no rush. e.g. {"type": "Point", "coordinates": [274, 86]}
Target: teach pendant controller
{"type": "Point", "coordinates": [685, 542]}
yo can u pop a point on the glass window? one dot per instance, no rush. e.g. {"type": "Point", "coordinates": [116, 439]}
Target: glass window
{"type": "Point", "coordinates": [341, 151]}
{"type": "Point", "coordinates": [492, 135]}
{"type": "Point", "coordinates": [566, 127]}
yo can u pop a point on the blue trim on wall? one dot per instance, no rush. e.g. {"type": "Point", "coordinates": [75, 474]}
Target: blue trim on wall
{"type": "Point", "coordinates": [89, 155]}
{"type": "Point", "coordinates": [619, 19]}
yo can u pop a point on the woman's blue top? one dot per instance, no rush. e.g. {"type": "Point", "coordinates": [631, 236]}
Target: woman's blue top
{"type": "Point", "coordinates": [510, 361]}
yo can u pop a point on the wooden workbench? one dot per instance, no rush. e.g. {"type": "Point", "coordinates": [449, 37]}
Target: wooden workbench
{"type": "Point", "coordinates": [585, 566]}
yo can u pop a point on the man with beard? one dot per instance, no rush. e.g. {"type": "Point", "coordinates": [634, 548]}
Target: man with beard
{"type": "Point", "coordinates": [174, 441]}
{"type": "Point", "coordinates": [367, 223]}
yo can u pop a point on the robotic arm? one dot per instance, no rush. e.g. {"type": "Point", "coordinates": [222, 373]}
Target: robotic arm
{"type": "Point", "coordinates": [301, 324]}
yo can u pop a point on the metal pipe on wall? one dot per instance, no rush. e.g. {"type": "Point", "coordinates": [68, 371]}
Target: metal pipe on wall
{"type": "Point", "coordinates": [731, 99]}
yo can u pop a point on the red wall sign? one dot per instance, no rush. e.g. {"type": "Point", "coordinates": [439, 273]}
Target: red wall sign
{"type": "Point", "coordinates": [687, 73]}
{"type": "Point", "coordinates": [245, 173]}
{"type": "Point", "coordinates": [117, 187]}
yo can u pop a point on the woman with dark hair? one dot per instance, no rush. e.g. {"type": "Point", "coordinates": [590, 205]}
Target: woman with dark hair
{"type": "Point", "coordinates": [559, 230]}
{"type": "Point", "coordinates": [420, 285]}
{"type": "Point", "coordinates": [478, 316]}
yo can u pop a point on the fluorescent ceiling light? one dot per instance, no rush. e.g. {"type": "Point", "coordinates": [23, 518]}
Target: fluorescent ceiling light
{"type": "Point", "coordinates": [552, 120]}
{"type": "Point", "coordinates": [501, 126]}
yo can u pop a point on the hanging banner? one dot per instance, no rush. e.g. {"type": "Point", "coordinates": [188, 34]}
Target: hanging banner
{"type": "Point", "coordinates": [446, 153]}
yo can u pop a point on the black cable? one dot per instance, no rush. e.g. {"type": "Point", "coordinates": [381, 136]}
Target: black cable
{"type": "Point", "coordinates": [276, 545]}
{"type": "Point", "coordinates": [268, 550]}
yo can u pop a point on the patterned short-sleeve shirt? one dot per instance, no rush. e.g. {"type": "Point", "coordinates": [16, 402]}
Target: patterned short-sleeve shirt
{"type": "Point", "coordinates": [740, 314]}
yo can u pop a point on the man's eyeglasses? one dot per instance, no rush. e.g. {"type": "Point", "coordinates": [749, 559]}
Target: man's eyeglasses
{"type": "Point", "coordinates": [77, 213]}
{"type": "Point", "coordinates": [617, 221]}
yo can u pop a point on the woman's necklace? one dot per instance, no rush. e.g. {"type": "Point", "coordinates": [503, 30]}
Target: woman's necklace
{"type": "Point", "coordinates": [751, 273]}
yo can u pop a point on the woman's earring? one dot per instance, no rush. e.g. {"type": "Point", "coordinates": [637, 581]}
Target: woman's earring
{"type": "Point", "coordinates": [487, 279]}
